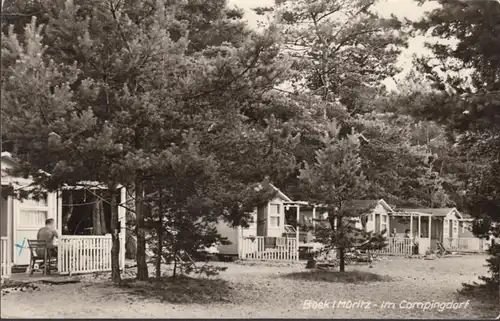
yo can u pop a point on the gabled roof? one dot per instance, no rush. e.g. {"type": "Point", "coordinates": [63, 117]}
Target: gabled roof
{"type": "Point", "coordinates": [438, 212]}
{"type": "Point", "coordinates": [371, 203]}
{"type": "Point", "coordinates": [361, 204]}
{"type": "Point", "coordinates": [281, 194]}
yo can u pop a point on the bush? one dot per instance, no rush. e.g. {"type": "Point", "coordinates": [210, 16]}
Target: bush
{"type": "Point", "coordinates": [490, 284]}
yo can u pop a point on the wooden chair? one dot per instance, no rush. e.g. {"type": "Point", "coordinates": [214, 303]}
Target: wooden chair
{"type": "Point", "coordinates": [442, 249]}
{"type": "Point", "coordinates": [40, 253]}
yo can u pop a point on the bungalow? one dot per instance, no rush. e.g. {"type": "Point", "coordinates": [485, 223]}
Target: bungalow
{"type": "Point", "coordinates": [21, 220]}
{"type": "Point", "coordinates": [380, 216]}
{"type": "Point", "coordinates": [263, 239]}
{"type": "Point", "coordinates": [442, 223]}
{"type": "Point", "coordinates": [447, 226]}
{"type": "Point", "coordinates": [466, 240]}
{"type": "Point", "coordinates": [375, 220]}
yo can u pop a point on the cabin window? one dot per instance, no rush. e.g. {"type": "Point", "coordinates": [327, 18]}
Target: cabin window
{"type": "Point", "coordinates": [274, 215]}
{"type": "Point", "coordinates": [275, 221]}
{"type": "Point", "coordinates": [30, 218]}
{"type": "Point", "coordinates": [33, 212]}
{"type": "Point", "coordinates": [455, 227]}
{"type": "Point", "coordinates": [383, 223]}
{"type": "Point", "coordinates": [370, 218]}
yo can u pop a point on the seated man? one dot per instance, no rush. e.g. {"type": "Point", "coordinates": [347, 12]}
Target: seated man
{"type": "Point", "coordinates": [47, 234]}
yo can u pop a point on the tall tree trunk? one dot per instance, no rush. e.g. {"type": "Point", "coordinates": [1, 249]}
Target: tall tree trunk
{"type": "Point", "coordinates": [115, 236]}
{"type": "Point", "coordinates": [340, 224]}
{"type": "Point", "coordinates": [102, 217]}
{"type": "Point", "coordinates": [342, 259]}
{"type": "Point", "coordinates": [159, 231]}
{"type": "Point", "coordinates": [96, 216]}
{"type": "Point", "coordinates": [69, 214]}
{"type": "Point", "coordinates": [142, 267]}
{"type": "Point", "coordinates": [499, 286]}
{"type": "Point", "coordinates": [174, 274]}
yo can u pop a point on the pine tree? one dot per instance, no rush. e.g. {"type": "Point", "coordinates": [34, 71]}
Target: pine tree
{"type": "Point", "coordinates": [335, 180]}
{"type": "Point", "coordinates": [469, 106]}
{"type": "Point", "coordinates": [343, 49]}
{"type": "Point", "coordinates": [92, 124]}
{"type": "Point", "coordinates": [128, 87]}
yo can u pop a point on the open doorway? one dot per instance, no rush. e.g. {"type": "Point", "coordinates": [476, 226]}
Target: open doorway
{"type": "Point", "coordinates": [86, 212]}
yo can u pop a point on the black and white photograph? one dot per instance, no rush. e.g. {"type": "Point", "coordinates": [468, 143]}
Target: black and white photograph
{"type": "Point", "coordinates": [305, 159]}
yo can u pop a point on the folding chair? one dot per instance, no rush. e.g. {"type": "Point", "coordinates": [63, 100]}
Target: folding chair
{"type": "Point", "coordinates": [442, 249]}
{"type": "Point", "coordinates": [40, 253]}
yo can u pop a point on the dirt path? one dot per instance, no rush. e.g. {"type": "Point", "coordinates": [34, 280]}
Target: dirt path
{"type": "Point", "coordinates": [261, 291]}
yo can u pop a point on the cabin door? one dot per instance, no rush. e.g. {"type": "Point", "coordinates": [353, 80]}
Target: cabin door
{"type": "Point", "coordinates": [29, 217]}
{"type": "Point", "coordinates": [261, 221]}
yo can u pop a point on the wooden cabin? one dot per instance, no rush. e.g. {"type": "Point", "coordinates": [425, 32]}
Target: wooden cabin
{"type": "Point", "coordinates": [21, 220]}
{"type": "Point", "coordinates": [263, 239]}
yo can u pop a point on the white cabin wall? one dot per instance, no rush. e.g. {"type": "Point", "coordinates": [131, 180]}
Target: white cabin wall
{"type": "Point", "coordinates": [251, 230]}
{"type": "Point", "coordinates": [379, 209]}
{"type": "Point", "coordinates": [370, 223]}
{"type": "Point", "coordinates": [276, 231]}
{"type": "Point", "coordinates": [453, 220]}
{"type": "Point", "coordinates": [231, 233]}
{"type": "Point", "coordinates": [4, 215]}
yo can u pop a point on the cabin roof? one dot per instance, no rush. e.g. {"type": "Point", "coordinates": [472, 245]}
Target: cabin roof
{"type": "Point", "coordinates": [281, 194]}
{"type": "Point", "coordinates": [439, 212]}
{"type": "Point", "coordinates": [371, 203]}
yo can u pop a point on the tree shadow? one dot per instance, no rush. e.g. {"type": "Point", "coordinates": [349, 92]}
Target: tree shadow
{"type": "Point", "coordinates": [338, 277]}
{"type": "Point", "coordinates": [181, 290]}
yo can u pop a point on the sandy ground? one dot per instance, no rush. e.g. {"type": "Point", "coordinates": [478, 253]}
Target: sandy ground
{"type": "Point", "coordinates": [260, 290]}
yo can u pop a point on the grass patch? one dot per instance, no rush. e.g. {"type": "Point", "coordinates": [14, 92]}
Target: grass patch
{"type": "Point", "coordinates": [182, 289]}
{"type": "Point", "coordinates": [338, 277]}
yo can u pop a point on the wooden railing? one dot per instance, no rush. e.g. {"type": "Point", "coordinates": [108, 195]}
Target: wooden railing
{"type": "Point", "coordinates": [465, 244]}
{"type": "Point", "coordinates": [397, 246]}
{"type": "Point", "coordinates": [85, 254]}
{"type": "Point", "coordinates": [267, 248]}
{"type": "Point", "coordinates": [4, 257]}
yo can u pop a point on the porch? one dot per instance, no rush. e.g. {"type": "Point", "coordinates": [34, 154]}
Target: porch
{"type": "Point", "coordinates": [274, 233]}
{"type": "Point", "coordinates": [86, 254]}
{"type": "Point", "coordinates": [409, 233]}
{"type": "Point", "coordinates": [398, 246]}
{"type": "Point", "coordinates": [77, 254]}
{"type": "Point", "coordinates": [269, 248]}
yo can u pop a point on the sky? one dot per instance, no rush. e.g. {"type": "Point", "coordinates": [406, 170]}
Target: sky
{"type": "Point", "coordinates": [401, 8]}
